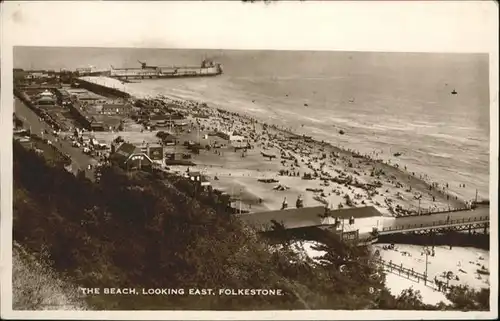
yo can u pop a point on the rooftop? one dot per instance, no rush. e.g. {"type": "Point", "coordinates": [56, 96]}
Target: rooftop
{"type": "Point", "coordinates": [45, 98]}
{"type": "Point", "coordinates": [123, 152]}
{"type": "Point", "coordinates": [304, 217]}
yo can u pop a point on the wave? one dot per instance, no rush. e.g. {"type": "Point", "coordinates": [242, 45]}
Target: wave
{"type": "Point", "coordinates": [440, 155]}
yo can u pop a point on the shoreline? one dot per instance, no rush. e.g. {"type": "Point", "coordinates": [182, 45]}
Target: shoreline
{"type": "Point", "coordinates": [422, 159]}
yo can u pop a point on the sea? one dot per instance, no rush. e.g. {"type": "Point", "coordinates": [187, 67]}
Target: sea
{"type": "Point", "coordinates": [384, 103]}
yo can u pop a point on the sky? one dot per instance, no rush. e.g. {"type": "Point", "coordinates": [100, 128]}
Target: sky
{"type": "Point", "coordinates": [449, 26]}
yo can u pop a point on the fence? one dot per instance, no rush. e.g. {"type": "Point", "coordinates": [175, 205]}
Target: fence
{"type": "Point", "coordinates": [424, 211]}
{"type": "Point", "coordinates": [437, 223]}
{"type": "Point", "coordinates": [406, 272]}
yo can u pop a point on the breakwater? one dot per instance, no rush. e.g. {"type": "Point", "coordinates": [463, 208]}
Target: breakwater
{"type": "Point", "coordinates": [103, 90]}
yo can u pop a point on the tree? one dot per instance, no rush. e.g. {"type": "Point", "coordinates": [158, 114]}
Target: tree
{"type": "Point", "coordinates": [409, 299]}
{"type": "Point", "coordinates": [466, 299]}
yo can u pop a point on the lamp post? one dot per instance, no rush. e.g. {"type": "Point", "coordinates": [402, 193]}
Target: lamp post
{"type": "Point", "coordinates": [240, 202]}
{"type": "Point", "coordinates": [426, 249]}
{"type": "Point", "coordinates": [342, 232]}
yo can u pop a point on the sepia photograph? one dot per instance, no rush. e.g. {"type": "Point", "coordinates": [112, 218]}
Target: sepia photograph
{"type": "Point", "coordinates": [157, 177]}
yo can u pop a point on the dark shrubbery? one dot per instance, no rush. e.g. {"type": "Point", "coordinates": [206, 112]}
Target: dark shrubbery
{"type": "Point", "coordinates": [146, 230]}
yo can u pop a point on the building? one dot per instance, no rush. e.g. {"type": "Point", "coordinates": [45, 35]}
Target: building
{"type": "Point", "coordinates": [116, 109]}
{"type": "Point", "coordinates": [231, 137]}
{"type": "Point", "coordinates": [359, 222]}
{"type": "Point", "coordinates": [63, 96]}
{"type": "Point", "coordinates": [134, 73]}
{"type": "Point", "coordinates": [90, 98]}
{"type": "Point", "coordinates": [96, 125]}
{"type": "Point", "coordinates": [199, 178]}
{"type": "Point", "coordinates": [37, 74]}
{"type": "Point", "coordinates": [46, 101]}
{"type": "Point", "coordinates": [84, 96]}
{"type": "Point", "coordinates": [352, 221]}
{"type": "Point", "coordinates": [154, 151]}
{"type": "Point", "coordinates": [46, 98]}
{"type": "Point", "coordinates": [130, 157]}
{"type": "Point", "coordinates": [167, 138]}
{"type": "Point", "coordinates": [24, 141]}
{"type": "Point", "coordinates": [79, 115]}
{"type": "Point", "coordinates": [89, 71]}
{"type": "Point", "coordinates": [169, 120]}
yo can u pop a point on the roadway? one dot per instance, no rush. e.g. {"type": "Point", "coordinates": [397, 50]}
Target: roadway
{"type": "Point", "coordinates": [435, 218]}
{"type": "Point", "coordinates": [31, 121]}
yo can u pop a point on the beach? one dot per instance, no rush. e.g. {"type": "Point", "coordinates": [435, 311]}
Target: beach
{"type": "Point", "coordinates": [299, 166]}
{"type": "Point", "coordinates": [453, 267]}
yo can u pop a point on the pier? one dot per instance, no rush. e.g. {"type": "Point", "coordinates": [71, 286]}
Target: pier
{"type": "Point", "coordinates": [441, 222]}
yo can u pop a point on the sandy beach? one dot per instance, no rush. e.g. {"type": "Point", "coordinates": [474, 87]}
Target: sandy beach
{"type": "Point", "coordinates": [469, 266]}
{"type": "Point", "coordinates": [394, 282]}
{"type": "Point", "coordinates": [337, 178]}
{"type": "Point", "coordinates": [460, 263]}
{"type": "Point", "coordinates": [456, 266]}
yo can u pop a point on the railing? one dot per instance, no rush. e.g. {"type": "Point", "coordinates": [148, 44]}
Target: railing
{"type": "Point", "coordinates": [436, 223]}
{"type": "Point", "coordinates": [406, 272]}
{"type": "Point", "coordinates": [424, 211]}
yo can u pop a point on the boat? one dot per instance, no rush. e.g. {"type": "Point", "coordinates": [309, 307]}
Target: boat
{"type": "Point", "coordinates": [206, 69]}
{"type": "Point", "coordinates": [397, 154]}
{"type": "Point", "coordinates": [314, 190]}
{"type": "Point", "coordinates": [270, 156]}
{"type": "Point", "coordinates": [320, 199]}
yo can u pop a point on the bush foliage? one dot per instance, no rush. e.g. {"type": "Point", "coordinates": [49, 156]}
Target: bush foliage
{"type": "Point", "coordinates": [152, 230]}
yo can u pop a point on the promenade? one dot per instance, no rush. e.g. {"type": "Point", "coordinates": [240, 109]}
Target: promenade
{"type": "Point", "coordinates": [476, 218]}
{"type": "Point", "coordinates": [80, 160]}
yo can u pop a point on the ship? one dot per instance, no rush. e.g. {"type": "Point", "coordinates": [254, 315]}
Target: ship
{"type": "Point", "coordinates": [206, 69]}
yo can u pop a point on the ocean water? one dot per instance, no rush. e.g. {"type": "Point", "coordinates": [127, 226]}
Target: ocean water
{"type": "Point", "coordinates": [384, 102]}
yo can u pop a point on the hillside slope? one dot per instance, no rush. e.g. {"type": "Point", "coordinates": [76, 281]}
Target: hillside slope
{"type": "Point", "coordinates": [153, 230]}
